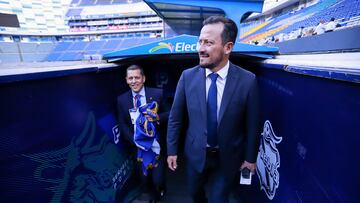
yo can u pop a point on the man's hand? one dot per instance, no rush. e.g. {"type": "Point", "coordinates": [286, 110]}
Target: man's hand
{"type": "Point", "coordinates": [150, 118]}
{"type": "Point", "coordinates": [171, 160]}
{"type": "Point", "coordinates": [250, 166]}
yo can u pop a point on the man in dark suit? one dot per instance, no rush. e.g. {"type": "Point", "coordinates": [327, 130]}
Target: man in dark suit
{"type": "Point", "coordinates": [218, 102]}
{"type": "Point", "coordinates": [130, 100]}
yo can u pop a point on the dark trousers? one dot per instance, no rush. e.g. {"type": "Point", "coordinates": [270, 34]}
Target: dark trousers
{"type": "Point", "coordinates": [217, 187]}
{"type": "Point", "coordinates": [155, 181]}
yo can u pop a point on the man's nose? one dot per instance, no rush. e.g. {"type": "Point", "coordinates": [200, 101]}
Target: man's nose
{"type": "Point", "coordinates": [201, 48]}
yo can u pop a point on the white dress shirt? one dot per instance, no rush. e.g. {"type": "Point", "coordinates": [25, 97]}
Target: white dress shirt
{"type": "Point", "coordinates": [220, 83]}
{"type": "Point", "coordinates": [142, 98]}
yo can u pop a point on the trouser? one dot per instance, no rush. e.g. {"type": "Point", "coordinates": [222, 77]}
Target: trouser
{"type": "Point", "coordinates": [218, 188]}
{"type": "Point", "coordinates": [155, 181]}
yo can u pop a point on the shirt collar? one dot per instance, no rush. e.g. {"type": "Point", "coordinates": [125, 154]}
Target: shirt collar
{"type": "Point", "coordinates": [222, 72]}
{"type": "Point", "coordinates": [142, 92]}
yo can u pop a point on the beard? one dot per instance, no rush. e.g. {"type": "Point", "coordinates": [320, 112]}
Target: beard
{"type": "Point", "coordinates": [212, 62]}
{"type": "Point", "coordinates": [211, 65]}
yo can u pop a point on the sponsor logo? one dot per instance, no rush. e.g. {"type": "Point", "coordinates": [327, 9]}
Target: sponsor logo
{"type": "Point", "coordinates": [179, 47]}
{"type": "Point", "coordinates": [184, 47]}
{"type": "Point", "coordinates": [162, 45]}
{"type": "Point", "coordinates": [268, 161]}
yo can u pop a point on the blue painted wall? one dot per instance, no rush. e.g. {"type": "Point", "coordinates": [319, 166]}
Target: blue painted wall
{"type": "Point", "coordinates": [318, 121]}
{"type": "Point", "coordinates": [58, 139]}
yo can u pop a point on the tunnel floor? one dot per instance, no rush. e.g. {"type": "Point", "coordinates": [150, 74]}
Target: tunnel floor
{"type": "Point", "coordinates": [176, 188]}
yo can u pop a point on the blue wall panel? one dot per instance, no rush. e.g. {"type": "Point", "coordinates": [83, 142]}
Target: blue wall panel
{"type": "Point", "coordinates": [318, 121]}
{"type": "Point", "coordinates": [58, 140]}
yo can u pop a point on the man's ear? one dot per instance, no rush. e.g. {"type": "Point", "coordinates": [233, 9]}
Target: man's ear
{"type": "Point", "coordinates": [228, 47]}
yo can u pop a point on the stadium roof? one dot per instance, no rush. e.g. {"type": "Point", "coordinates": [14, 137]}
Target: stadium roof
{"type": "Point", "coordinates": [186, 16]}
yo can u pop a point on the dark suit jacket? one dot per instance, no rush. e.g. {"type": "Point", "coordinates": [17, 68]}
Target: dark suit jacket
{"type": "Point", "coordinates": [125, 102]}
{"type": "Point", "coordinates": [238, 129]}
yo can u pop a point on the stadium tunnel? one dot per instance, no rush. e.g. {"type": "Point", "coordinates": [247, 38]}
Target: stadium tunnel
{"type": "Point", "coordinates": [60, 141]}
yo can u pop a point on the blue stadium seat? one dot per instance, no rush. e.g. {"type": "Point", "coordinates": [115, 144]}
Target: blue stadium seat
{"type": "Point", "coordinates": [78, 46]}
{"type": "Point", "coordinates": [45, 47]}
{"type": "Point", "coordinates": [87, 2]}
{"type": "Point", "coordinates": [30, 57]}
{"type": "Point", "coordinates": [95, 45]}
{"type": "Point", "coordinates": [62, 46]}
{"type": "Point", "coordinates": [146, 40]}
{"type": "Point", "coordinates": [127, 43]}
{"type": "Point", "coordinates": [8, 47]}
{"type": "Point", "coordinates": [9, 58]}
{"type": "Point", "coordinates": [112, 44]}
{"type": "Point", "coordinates": [104, 2]}
{"type": "Point", "coordinates": [74, 12]}
{"type": "Point", "coordinates": [102, 52]}
{"type": "Point", "coordinates": [28, 47]}
{"type": "Point", "coordinates": [53, 56]}
{"type": "Point", "coordinates": [71, 56]}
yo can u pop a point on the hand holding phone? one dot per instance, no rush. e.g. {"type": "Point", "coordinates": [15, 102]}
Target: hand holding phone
{"type": "Point", "coordinates": [245, 176]}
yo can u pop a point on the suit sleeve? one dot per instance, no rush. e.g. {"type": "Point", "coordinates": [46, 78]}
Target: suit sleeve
{"type": "Point", "coordinates": [176, 117]}
{"type": "Point", "coordinates": [125, 130]}
{"type": "Point", "coordinates": [252, 122]}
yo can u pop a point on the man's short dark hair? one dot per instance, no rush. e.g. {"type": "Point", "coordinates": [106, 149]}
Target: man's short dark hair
{"type": "Point", "coordinates": [135, 67]}
{"type": "Point", "coordinates": [230, 29]}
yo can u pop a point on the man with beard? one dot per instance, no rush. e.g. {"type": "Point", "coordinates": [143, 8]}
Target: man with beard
{"type": "Point", "coordinates": [218, 103]}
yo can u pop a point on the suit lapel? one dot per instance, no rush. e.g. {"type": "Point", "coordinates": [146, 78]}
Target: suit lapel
{"type": "Point", "coordinates": [231, 81]}
{"type": "Point", "coordinates": [130, 101]}
{"type": "Point", "coordinates": [201, 90]}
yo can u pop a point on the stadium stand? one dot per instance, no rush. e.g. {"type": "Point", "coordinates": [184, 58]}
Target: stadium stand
{"type": "Point", "coordinates": [70, 48]}
{"type": "Point", "coordinates": [90, 40]}
{"type": "Point", "coordinates": [287, 24]}
{"type": "Point", "coordinates": [13, 52]}
{"type": "Point", "coordinates": [95, 45]}
{"type": "Point", "coordinates": [8, 47]}
{"type": "Point", "coordinates": [100, 29]}
{"type": "Point", "coordinates": [78, 46]}
{"type": "Point", "coordinates": [96, 27]}
{"type": "Point", "coordinates": [112, 44]}
{"type": "Point", "coordinates": [80, 50]}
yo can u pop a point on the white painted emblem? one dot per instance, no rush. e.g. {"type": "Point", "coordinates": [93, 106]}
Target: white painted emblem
{"type": "Point", "coordinates": [116, 133]}
{"type": "Point", "coordinates": [268, 161]}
